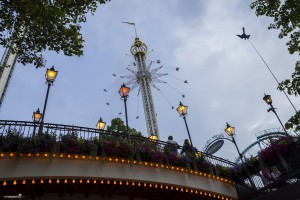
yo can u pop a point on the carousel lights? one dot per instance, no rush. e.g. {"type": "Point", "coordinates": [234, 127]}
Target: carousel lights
{"type": "Point", "coordinates": [122, 160]}
{"type": "Point", "coordinates": [135, 162]}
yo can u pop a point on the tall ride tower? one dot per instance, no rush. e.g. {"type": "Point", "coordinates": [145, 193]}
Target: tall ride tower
{"type": "Point", "coordinates": [6, 69]}
{"type": "Point", "coordinates": [144, 78]}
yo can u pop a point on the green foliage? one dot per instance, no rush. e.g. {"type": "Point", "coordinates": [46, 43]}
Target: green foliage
{"type": "Point", "coordinates": [117, 124]}
{"type": "Point", "coordinates": [30, 27]}
{"type": "Point", "coordinates": [12, 140]}
{"type": "Point", "coordinates": [286, 19]}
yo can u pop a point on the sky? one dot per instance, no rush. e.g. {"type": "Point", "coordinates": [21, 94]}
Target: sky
{"type": "Point", "coordinates": [226, 78]}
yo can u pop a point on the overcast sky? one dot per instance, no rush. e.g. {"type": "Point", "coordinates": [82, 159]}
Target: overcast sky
{"type": "Point", "coordinates": [226, 78]}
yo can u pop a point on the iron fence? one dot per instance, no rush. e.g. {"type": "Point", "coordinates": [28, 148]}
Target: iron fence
{"type": "Point", "coordinates": [27, 129]}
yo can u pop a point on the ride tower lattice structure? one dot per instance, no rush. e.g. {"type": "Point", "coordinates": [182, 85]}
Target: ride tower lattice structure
{"type": "Point", "coordinates": [7, 65]}
{"type": "Point", "coordinates": [144, 79]}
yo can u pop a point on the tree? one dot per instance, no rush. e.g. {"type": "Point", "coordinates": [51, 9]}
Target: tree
{"type": "Point", "coordinates": [30, 27]}
{"type": "Point", "coordinates": [286, 19]}
{"type": "Point", "coordinates": [117, 124]}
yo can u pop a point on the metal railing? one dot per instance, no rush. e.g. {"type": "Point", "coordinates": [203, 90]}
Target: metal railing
{"type": "Point", "coordinates": [26, 129]}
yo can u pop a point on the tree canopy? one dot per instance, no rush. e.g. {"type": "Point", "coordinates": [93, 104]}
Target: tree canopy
{"type": "Point", "coordinates": [287, 20]}
{"type": "Point", "coordinates": [30, 27]}
{"type": "Point", "coordinates": [117, 124]}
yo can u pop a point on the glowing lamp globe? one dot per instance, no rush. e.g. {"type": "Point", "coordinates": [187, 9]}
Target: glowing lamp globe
{"type": "Point", "coordinates": [51, 74]}
{"type": "Point", "coordinates": [182, 110]}
{"type": "Point", "coordinates": [100, 124]}
{"type": "Point", "coordinates": [230, 130]}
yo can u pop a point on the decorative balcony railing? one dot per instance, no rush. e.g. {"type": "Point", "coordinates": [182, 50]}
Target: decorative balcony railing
{"type": "Point", "coordinates": [76, 139]}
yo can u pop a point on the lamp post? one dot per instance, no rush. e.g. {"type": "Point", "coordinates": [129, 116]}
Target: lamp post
{"type": "Point", "coordinates": [268, 100]}
{"type": "Point", "coordinates": [36, 117]}
{"type": "Point", "coordinates": [230, 130]}
{"type": "Point", "coordinates": [182, 110]}
{"type": "Point", "coordinates": [124, 93]}
{"type": "Point", "coordinates": [100, 126]}
{"type": "Point", "coordinates": [50, 78]}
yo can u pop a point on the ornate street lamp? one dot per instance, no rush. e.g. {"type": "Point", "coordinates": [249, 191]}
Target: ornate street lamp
{"type": "Point", "coordinates": [50, 78]}
{"type": "Point", "coordinates": [100, 126]}
{"type": "Point", "coordinates": [230, 130]}
{"type": "Point", "coordinates": [36, 118]}
{"type": "Point", "coordinates": [124, 93]}
{"type": "Point", "coordinates": [182, 110]}
{"type": "Point", "coordinates": [268, 100]}
{"type": "Point", "coordinates": [51, 75]}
